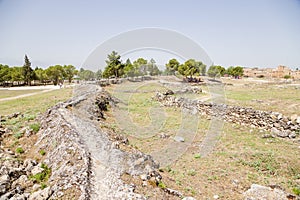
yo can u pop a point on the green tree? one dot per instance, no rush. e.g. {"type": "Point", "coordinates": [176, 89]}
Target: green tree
{"type": "Point", "coordinates": [152, 68]}
{"type": "Point", "coordinates": [114, 65]}
{"type": "Point", "coordinates": [55, 73]}
{"type": "Point", "coordinates": [140, 66]}
{"type": "Point", "coordinates": [235, 71]}
{"type": "Point", "coordinates": [129, 69]}
{"type": "Point", "coordinates": [191, 68]}
{"type": "Point", "coordinates": [17, 74]}
{"type": "Point", "coordinates": [69, 72]}
{"type": "Point", "coordinates": [216, 71]}
{"type": "Point", "coordinates": [86, 75]}
{"type": "Point", "coordinates": [41, 74]}
{"type": "Point", "coordinates": [28, 72]}
{"type": "Point", "coordinates": [5, 74]}
{"type": "Point", "coordinates": [172, 66]}
{"type": "Point", "coordinates": [98, 74]}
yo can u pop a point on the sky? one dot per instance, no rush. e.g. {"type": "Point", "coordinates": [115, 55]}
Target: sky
{"type": "Point", "coordinates": [256, 33]}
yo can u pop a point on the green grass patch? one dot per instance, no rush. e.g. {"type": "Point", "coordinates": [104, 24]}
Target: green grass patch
{"type": "Point", "coordinates": [42, 152]}
{"type": "Point", "coordinates": [43, 176]}
{"type": "Point", "coordinates": [19, 150]}
{"type": "Point", "coordinates": [35, 127]}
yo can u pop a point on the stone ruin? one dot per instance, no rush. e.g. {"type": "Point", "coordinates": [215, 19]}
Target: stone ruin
{"type": "Point", "coordinates": [274, 122]}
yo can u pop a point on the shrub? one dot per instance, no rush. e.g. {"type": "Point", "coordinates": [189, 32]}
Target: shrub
{"type": "Point", "coordinates": [197, 156]}
{"type": "Point", "coordinates": [42, 176]}
{"type": "Point", "coordinates": [19, 150]}
{"type": "Point", "coordinates": [35, 127]}
{"type": "Point", "coordinates": [18, 135]}
{"type": "Point", "coordinates": [191, 172]}
{"type": "Point", "coordinates": [43, 186]}
{"type": "Point", "coordinates": [162, 185]}
{"type": "Point", "coordinates": [296, 191]}
{"type": "Point", "coordinates": [42, 152]}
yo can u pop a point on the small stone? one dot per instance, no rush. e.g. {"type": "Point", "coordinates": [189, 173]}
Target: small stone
{"type": "Point", "coordinates": [188, 198]}
{"type": "Point", "coordinates": [179, 139]}
{"type": "Point", "coordinates": [144, 177]}
{"type": "Point", "coordinates": [216, 196]}
{"type": "Point", "coordinates": [292, 135]}
{"type": "Point", "coordinates": [36, 169]}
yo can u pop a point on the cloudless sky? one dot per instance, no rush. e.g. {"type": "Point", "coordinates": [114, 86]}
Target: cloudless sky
{"type": "Point", "coordinates": [256, 33]}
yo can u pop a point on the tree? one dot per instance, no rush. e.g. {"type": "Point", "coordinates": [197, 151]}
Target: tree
{"type": "Point", "coordinates": [69, 72]}
{"type": "Point", "coordinates": [172, 66]}
{"type": "Point", "coordinates": [17, 74]}
{"type": "Point", "coordinates": [114, 65]}
{"type": "Point", "coordinates": [129, 69]}
{"type": "Point", "coordinates": [235, 71]}
{"type": "Point", "coordinates": [192, 67]}
{"type": "Point", "coordinates": [5, 74]}
{"type": "Point", "coordinates": [98, 74]}
{"type": "Point", "coordinates": [41, 74]}
{"type": "Point", "coordinates": [86, 75]}
{"type": "Point", "coordinates": [28, 72]}
{"type": "Point", "coordinates": [216, 71]}
{"type": "Point", "coordinates": [55, 73]}
{"type": "Point", "coordinates": [152, 68]}
{"type": "Point", "coordinates": [140, 65]}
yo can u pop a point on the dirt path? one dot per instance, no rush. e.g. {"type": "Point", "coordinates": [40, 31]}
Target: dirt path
{"type": "Point", "coordinates": [44, 88]}
{"type": "Point", "coordinates": [26, 95]}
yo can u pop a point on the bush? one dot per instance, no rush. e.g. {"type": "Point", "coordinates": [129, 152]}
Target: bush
{"type": "Point", "coordinates": [43, 176]}
{"type": "Point", "coordinates": [197, 156]}
{"type": "Point", "coordinates": [35, 127]}
{"type": "Point", "coordinates": [18, 135]}
{"type": "Point", "coordinates": [162, 185]}
{"type": "Point", "coordinates": [287, 76]}
{"type": "Point", "coordinates": [42, 152]}
{"type": "Point", "coordinates": [296, 191]}
{"type": "Point", "coordinates": [19, 150]}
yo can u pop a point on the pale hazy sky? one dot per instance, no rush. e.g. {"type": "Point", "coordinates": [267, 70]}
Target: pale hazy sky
{"type": "Point", "coordinates": [263, 33]}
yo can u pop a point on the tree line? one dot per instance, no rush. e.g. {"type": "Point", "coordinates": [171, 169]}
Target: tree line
{"type": "Point", "coordinates": [115, 67]}
{"type": "Point", "coordinates": [25, 75]}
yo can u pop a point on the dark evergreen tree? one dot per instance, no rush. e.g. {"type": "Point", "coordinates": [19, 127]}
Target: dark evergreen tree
{"type": "Point", "coordinates": [28, 72]}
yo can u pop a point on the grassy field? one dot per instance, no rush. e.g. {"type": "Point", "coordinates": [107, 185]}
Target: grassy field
{"type": "Point", "coordinates": [241, 156]}
{"type": "Point", "coordinates": [280, 98]}
{"type": "Point", "coordinates": [33, 104]}
{"type": "Point", "coordinates": [13, 93]}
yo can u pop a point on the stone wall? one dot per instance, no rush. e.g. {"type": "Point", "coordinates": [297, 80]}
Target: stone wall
{"type": "Point", "coordinates": [278, 124]}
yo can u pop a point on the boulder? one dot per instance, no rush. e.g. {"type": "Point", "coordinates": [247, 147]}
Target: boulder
{"type": "Point", "coordinates": [263, 192]}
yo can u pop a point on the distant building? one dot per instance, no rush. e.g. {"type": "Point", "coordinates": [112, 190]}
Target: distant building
{"type": "Point", "coordinates": [279, 72]}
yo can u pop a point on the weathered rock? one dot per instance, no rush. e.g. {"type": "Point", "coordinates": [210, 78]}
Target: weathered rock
{"type": "Point", "coordinates": [188, 198]}
{"type": "Point", "coordinates": [168, 92]}
{"type": "Point", "coordinates": [263, 192]}
{"type": "Point", "coordinates": [41, 194]}
{"type": "Point", "coordinates": [277, 123]}
{"type": "Point", "coordinates": [179, 139]}
{"type": "Point", "coordinates": [36, 170]}
{"type": "Point", "coordinates": [4, 184]}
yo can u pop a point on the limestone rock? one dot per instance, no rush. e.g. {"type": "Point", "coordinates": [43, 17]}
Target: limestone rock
{"type": "Point", "coordinates": [263, 192]}
{"type": "Point", "coordinates": [179, 139]}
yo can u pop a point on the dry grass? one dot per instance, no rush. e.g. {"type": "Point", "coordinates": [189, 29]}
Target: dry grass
{"type": "Point", "coordinates": [13, 93]}
{"type": "Point", "coordinates": [36, 103]}
{"type": "Point", "coordinates": [241, 156]}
